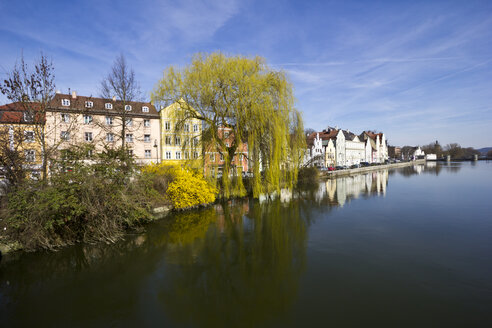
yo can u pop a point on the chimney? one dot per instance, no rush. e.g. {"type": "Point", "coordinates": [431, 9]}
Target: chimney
{"type": "Point", "coordinates": [74, 95]}
{"type": "Point", "coordinates": [114, 98]}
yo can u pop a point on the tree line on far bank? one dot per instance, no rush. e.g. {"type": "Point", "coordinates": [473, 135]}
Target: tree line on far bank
{"type": "Point", "coordinates": [453, 149]}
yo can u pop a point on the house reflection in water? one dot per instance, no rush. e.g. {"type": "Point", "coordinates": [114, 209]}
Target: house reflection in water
{"type": "Point", "coordinates": [342, 189]}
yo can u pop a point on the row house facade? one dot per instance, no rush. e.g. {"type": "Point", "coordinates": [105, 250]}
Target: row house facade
{"type": "Point", "coordinates": [72, 119]}
{"type": "Point", "coordinates": [337, 147]}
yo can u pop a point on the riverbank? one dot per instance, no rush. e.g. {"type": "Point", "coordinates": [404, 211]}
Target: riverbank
{"type": "Point", "coordinates": [348, 172]}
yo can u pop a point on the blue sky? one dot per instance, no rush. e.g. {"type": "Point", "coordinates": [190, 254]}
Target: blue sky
{"type": "Point", "coordinates": [416, 70]}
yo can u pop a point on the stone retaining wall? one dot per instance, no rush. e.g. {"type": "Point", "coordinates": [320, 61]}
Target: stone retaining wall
{"type": "Point", "coordinates": [339, 173]}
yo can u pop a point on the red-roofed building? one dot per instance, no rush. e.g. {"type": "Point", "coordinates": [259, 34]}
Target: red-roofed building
{"type": "Point", "coordinates": [72, 119]}
{"type": "Point", "coordinates": [214, 160]}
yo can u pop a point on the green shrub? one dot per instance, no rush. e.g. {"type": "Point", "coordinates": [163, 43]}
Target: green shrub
{"type": "Point", "coordinates": [81, 202]}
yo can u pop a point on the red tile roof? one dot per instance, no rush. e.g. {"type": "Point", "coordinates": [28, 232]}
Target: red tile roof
{"type": "Point", "coordinates": [323, 135]}
{"type": "Point", "coordinates": [14, 113]}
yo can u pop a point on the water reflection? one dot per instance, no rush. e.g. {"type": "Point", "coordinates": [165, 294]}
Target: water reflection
{"type": "Point", "coordinates": [235, 264]}
{"type": "Point", "coordinates": [430, 168]}
{"type": "Point", "coordinates": [238, 263]}
{"type": "Point", "coordinates": [245, 272]}
{"type": "Point", "coordinates": [337, 192]}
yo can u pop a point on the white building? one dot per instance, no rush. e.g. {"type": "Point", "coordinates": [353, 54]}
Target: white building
{"type": "Point", "coordinates": [336, 147]}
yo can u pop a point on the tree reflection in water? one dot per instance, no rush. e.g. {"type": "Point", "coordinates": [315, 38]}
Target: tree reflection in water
{"type": "Point", "coordinates": [242, 272]}
{"type": "Point", "coordinates": [237, 263]}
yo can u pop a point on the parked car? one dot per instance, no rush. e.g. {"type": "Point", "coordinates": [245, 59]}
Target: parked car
{"type": "Point", "coordinates": [338, 167]}
{"type": "Point", "coordinates": [331, 168]}
{"type": "Point", "coordinates": [362, 164]}
{"type": "Point", "coordinates": [354, 166]}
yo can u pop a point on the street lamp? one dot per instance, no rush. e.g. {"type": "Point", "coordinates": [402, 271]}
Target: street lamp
{"type": "Point", "coordinates": [156, 150]}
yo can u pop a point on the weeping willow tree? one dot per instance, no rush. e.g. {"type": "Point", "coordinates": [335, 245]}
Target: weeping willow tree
{"type": "Point", "coordinates": [253, 102]}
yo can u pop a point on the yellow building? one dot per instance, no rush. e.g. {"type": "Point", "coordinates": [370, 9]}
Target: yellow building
{"type": "Point", "coordinates": [179, 143]}
{"type": "Point", "coordinates": [20, 134]}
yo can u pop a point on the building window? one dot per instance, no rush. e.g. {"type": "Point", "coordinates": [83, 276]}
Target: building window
{"type": "Point", "coordinates": [212, 157]}
{"type": "Point", "coordinates": [29, 136]}
{"type": "Point", "coordinates": [65, 118]}
{"type": "Point", "coordinates": [28, 117]}
{"type": "Point", "coordinates": [178, 155]}
{"type": "Point", "coordinates": [168, 155]}
{"type": "Point", "coordinates": [65, 135]}
{"type": "Point", "coordinates": [145, 109]}
{"type": "Point", "coordinates": [195, 127]}
{"type": "Point", "coordinates": [89, 104]}
{"type": "Point", "coordinates": [186, 155]}
{"type": "Point", "coordinates": [129, 122]}
{"type": "Point", "coordinates": [167, 126]}
{"type": "Point", "coordinates": [108, 105]}
{"type": "Point", "coordinates": [109, 120]}
{"type": "Point", "coordinates": [168, 141]}
{"type": "Point", "coordinates": [109, 137]}
{"type": "Point", "coordinates": [129, 137]}
{"type": "Point", "coordinates": [187, 127]}
{"type": "Point", "coordinates": [65, 102]}
{"type": "Point", "coordinates": [148, 153]}
{"type": "Point", "coordinates": [221, 157]}
{"type": "Point", "coordinates": [195, 155]}
{"type": "Point", "coordinates": [177, 141]}
{"type": "Point", "coordinates": [130, 152]}
{"type": "Point", "coordinates": [146, 137]}
{"type": "Point", "coordinates": [146, 123]}
{"type": "Point", "coordinates": [226, 134]}
{"type": "Point", "coordinates": [195, 141]}
{"type": "Point", "coordinates": [128, 108]}
{"type": "Point", "coordinates": [87, 119]}
{"type": "Point", "coordinates": [30, 155]}
{"type": "Point", "coordinates": [88, 136]}
{"type": "Point", "coordinates": [90, 153]}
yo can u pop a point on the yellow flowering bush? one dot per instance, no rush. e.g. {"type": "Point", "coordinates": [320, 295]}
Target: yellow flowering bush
{"type": "Point", "coordinates": [186, 187]}
{"type": "Point", "coordinates": [189, 189]}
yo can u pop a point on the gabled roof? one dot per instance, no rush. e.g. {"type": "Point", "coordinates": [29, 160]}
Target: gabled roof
{"type": "Point", "coordinates": [348, 135]}
{"type": "Point", "coordinates": [323, 135]}
{"type": "Point", "coordinates": [369, 134]}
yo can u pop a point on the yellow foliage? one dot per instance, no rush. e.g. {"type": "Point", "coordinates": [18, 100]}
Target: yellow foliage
{"type": "Point", "coordinates": [188, 188]}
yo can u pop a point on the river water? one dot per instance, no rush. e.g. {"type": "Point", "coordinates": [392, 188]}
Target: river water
{"type": "Point", "coordinates": [409, 247]}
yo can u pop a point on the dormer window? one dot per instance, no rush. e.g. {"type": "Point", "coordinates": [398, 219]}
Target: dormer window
{"type": "Point", "coordinates": [28, 117]}
{"type": "Point", "coordinates": [108, 106]}
{"type": "Point", "coordinates": [65, 102]}
{"type": "Point", "coordinates": [128, 108]}
{"type": "Point", "coordinates": [145, 109]}
{"type": "Point", "coordinates": [89, 104]}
